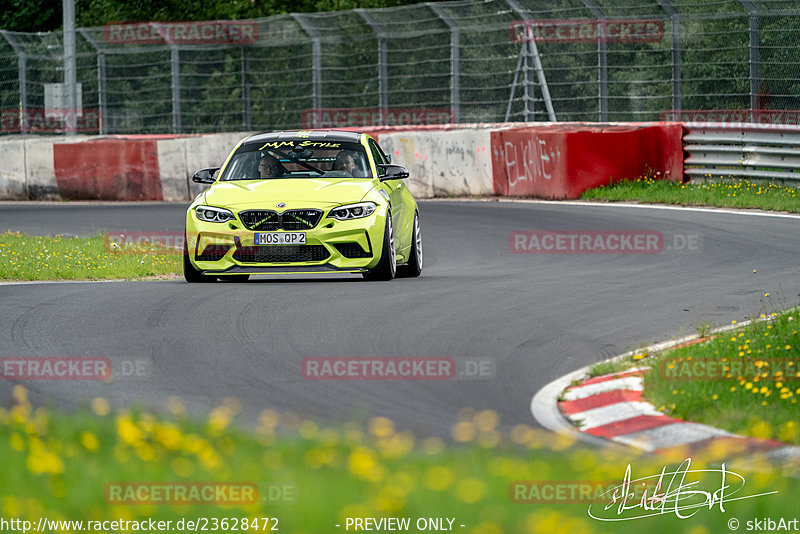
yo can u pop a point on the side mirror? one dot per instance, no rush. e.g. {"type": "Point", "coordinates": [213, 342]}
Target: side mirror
{"type": "Point", "coordinates": [205, 176]}
{"type": "Point", "coordinates": [393, 172]}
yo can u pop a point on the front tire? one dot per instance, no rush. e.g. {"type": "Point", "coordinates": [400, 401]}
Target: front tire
{"type": "Point", "coordinates": [387, 266]}
{"type": "Point", "coordinates": [190, 274]}
{"type": "Point", "coordinates": [414, 266]}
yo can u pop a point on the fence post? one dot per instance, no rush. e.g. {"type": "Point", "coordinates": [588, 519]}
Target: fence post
{"type": "Point", "coordinates": [70, 67]}
{"type": "Point", "coordinates": [383, 75]}
{"type": "Point", "coordinates": [675, 17]}
{"type": "Point", "coordinates": [752, 12]}
{"type": "Point", "coordinates": [602, 61]}
{"type": "Point", "coordinates": [101, 79]}
{"type": "Point", "coordinates": [455, 57]}
{"type": "Point", "coordinates": [316, 58]}
{"type": "Point", "coordinates": [533, 50]}
{"type": "Point", "coordinates": [22, 74]}
{"type": "Point", "coordinates": [246, 116]}
{"type": "Point", "coordinates": [176, 89]}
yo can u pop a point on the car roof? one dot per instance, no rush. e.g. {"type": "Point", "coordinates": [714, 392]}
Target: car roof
{"type": "Point", "coordinates": [327, 135]}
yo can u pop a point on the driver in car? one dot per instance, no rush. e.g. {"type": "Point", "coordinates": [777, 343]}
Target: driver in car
{"type": "Point", "coordinates": [345, 161]}
{"type": "Point", "coordinates": [270, 167]}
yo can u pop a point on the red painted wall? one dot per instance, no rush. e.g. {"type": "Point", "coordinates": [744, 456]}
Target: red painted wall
{"type": "Point", "coordinates": [562, 161]}
{"type": "Point", "coordinates": [108, 169]}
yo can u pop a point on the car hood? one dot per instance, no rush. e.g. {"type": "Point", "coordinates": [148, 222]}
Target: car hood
{"type": "Point", "coordinates": [295, 192]}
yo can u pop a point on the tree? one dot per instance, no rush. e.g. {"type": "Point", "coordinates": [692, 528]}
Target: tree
{"type": "Point", "coordinates": [30, 15]}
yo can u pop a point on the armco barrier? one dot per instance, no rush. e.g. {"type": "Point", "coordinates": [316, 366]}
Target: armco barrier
{"type": "Point", "coordinates": [764, 151]}
{"type": "Point", "coordinates": [561, 161]}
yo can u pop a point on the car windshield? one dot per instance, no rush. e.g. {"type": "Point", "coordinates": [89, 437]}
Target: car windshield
{"type": "Point", "coordinates": [298, 158]}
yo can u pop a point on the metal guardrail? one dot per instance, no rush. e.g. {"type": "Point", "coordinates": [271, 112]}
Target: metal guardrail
{"type": "Point", "coordinates": [745, 151]}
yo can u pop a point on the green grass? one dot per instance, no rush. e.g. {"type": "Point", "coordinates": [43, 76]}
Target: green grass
{"type": "Point", "coordinates": [727, 194]}
{"type": "Point", "coordinates": [27, 257]}
{"type": "Point", "coordinates": [57, 466]}
{"type": "Point", "coordinates": [764, 406]}
{"type": "Point", "coordinates": [616, 366]}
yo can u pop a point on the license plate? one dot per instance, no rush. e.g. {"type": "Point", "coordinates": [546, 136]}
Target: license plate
{"type": "Point", "coordinates": [280, 238]}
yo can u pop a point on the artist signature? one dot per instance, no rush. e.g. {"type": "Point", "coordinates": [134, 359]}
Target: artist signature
{"type": "Point", "coordinates": [671, 492]}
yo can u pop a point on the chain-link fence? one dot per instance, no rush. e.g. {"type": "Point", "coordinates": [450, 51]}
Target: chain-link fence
{"type": "Point", "coordinates": [488, 61]}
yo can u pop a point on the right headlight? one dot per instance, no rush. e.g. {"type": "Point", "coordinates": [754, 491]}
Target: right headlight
{"type": "Point", "coordinates": [353, 211]}
{"type": "Point", "coordinates": [212, 214]}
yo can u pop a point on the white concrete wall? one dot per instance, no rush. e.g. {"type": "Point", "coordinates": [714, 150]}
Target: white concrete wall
{"type": "Point", "coordinates": [13, 181]}
{"type": "Point", "coordinates": [207, 151]}
{"type": "Point", "coordinates": [450, 162]}
{"type": "Point", "coordinates": [443, 163]}
{"type": "Point", "coordinates": [39, 168]}
{"type": "Point", "coordinates": [172, 166]}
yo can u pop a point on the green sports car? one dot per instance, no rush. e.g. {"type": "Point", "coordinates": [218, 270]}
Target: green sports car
{"type": "Point", "coordinates": [303, 202]}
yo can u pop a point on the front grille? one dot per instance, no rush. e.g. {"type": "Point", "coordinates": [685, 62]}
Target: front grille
{"type": "Point", "coordinates": [213, 252]}
{"type": "Point", "coordinates": [260, 220]}
{"type": "Point", "coordinates": [300, 219]}
{"type": "Point", "coordinates": [281, 253]}
{"type": "Point", "coordinates": [269, 221]}
{"type": "Point", "coordinates": [351, 250]}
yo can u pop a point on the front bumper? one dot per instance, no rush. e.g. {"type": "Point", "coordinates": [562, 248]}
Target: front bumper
{"type": "Point", "coordinates": [331, 246]}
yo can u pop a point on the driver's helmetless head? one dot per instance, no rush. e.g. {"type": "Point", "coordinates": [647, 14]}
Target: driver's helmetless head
{"type": "Point", "coordinates": [345, 162]}
{"type": "Point", "coordinates": [269, 166]}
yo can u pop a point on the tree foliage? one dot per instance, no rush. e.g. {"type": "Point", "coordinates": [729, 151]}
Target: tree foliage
{"type": "Point", "coordinates": [30, 15]}
{"type": "Point", "coordinates": [46, 15]}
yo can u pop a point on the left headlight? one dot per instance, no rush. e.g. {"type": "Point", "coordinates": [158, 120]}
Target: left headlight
{"type": "Point", "coordinates": [212, 214]}
{"type": "Point", "coordinates": [353, 211]}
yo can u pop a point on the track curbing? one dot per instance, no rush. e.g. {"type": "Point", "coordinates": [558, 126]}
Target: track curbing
{"type": "Point", "coordinates": [608, 410]}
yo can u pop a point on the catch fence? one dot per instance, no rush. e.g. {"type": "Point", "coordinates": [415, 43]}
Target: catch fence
{"type": "Point", "coordinates": [442, 62]}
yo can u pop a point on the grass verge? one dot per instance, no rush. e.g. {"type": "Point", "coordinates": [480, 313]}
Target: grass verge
{"type": "Point", "coordinates": [27, 257]}
{"type": "Point", "coordinates": [727, 194]}
{"type": "Point", "coordinates": [62, 467]}
{"type": "Point", "coordinates": [746, 381]}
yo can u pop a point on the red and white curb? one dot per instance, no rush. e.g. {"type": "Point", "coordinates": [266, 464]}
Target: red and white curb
{"type": "Point", "coordinates": [610, 409]}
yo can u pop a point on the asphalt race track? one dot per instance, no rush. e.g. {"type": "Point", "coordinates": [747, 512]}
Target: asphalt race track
{"type": "Point", "coordinates": [533, 317]}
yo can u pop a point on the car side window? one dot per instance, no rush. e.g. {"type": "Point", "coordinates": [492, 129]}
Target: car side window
{"type": "Point", "coordinates": [377, 155]}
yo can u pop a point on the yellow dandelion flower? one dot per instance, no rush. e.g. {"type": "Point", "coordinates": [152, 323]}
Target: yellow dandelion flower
{"type": "Point", "coordinates": [432, 445]}
{"type": "Point", "coordinates": [100, 406]}
{"type": "Point", "coordinates": [89, 441]}
{"type": "Point", "coordinates": [381, 427]}
{"type": "Point", "coordinates": [17, 442]}
{"type": "Point", "coordinates": [486, 420]}
{"type": "Point", "coordinates": [128, 431]}
{"type": "Point", "coordinates": [362, 461]}
{"type": "Point", "coordinates": [438, 478]}
{"type": "Point", "coordinates": [463, 431]}
{"type": "Point", "coordinates": [470, 490]}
